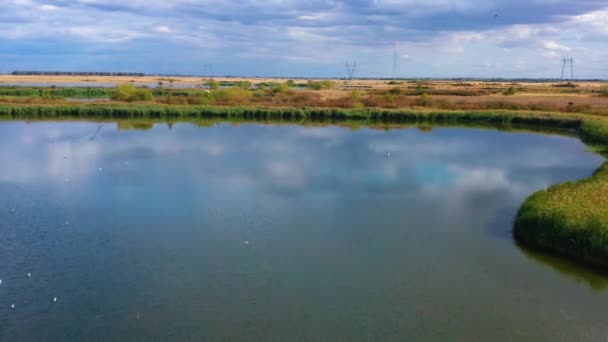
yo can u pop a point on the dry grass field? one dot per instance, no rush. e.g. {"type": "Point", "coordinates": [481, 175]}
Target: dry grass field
{"type": "Point", "coordinates": [581, 97]}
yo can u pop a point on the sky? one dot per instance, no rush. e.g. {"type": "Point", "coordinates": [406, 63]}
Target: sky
{"type": "Point", "coordinates": [307, 38]}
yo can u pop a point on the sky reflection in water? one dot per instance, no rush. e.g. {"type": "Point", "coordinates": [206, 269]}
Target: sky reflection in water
{"type": "Point", "coordinates": [287, 232]}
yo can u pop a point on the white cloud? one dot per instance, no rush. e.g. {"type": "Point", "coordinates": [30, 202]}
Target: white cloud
{"type": "Point", "coordinates": [162, 29]}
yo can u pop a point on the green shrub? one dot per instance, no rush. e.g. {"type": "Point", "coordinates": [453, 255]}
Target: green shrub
{"type": "Point", "coordinates": [424, 100]}
{"type": "Point", "coordinates": [280, 88]}
{"type": "Point", "coordinates": [395, 91]}
{"type": "Point", "coordinates": [234, 95]}
{"type": "Point", "coordinates": [355, 97]}
{"type": "Point", "coordinates": [128, 93]}
{"type": "Point", "coordinates": [213, 85]}
{"type": "Point", "coordinates": [510, 91]}
{"type": "Point", "coordinates": [321, 85]}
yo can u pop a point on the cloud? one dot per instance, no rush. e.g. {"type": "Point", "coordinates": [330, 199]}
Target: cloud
{"type": "Point", "coordinates": [162, 29]}
{"type": "Point", "coordinates": [306, 38]}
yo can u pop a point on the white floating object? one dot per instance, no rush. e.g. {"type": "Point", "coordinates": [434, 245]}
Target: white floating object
{"type": "Point", "coordinates": [100, 169]}
{"type": "Point", "coordinates": [246, 242]}
{"type": "Point", "coordinates": [388, 155]}
{"type": "Point", "coordinates": [54, 299]}
{"type": "Point", "coordinates": [12, 306]}
{"type": "Point", "coordinates": [67, 179]}
{"type": "Point", "coordinates": [68, 222]}
{"type": "Point", "coordinates": [0, 281]}
{"type": "Point", "coordinates": [29, 275]}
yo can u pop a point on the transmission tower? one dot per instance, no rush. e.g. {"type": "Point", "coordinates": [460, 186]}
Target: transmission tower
{"type": "Point", "coordinates": [395, 63]}
{"type": "Point", "coordinates": [566, 61]}
{"type": "Point", "coordinates": [351, 68]}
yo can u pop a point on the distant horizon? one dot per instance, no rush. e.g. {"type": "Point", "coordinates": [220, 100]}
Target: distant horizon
{"type": "Point", "coordinates": [116, 74]}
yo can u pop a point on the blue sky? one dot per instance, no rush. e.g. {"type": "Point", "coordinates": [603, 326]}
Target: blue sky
{"type": "Point", "coordinates": [307, 38]}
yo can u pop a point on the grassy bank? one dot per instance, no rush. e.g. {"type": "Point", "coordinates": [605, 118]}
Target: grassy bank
{"type": "Point", "coordinates": [151, 110]}
{"type": "Point", "coordinates": [570, 219]}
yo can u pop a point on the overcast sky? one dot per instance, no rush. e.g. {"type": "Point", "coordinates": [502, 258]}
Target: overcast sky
{"type": "Point", "coordinates": [307, 38]}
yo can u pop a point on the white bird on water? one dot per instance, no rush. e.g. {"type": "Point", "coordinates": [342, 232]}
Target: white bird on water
{"type": "Point", "coordinates": [0, 281]}
{"type": "Point", "coordinates": [54, 299]}
{"type": "Point", "coordinates": [388, 155]}
{"type": "Point", "coordinates": [12, 306]}
{"type": "Point", "coordinates": [29, 275]}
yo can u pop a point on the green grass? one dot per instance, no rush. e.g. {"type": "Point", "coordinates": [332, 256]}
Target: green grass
{"type": "Point", "coordinates": [570, 219]}
{"type": "Point", "coordinates": [155, 110]}
{"type": "Point", "coordinates": [50, 92]}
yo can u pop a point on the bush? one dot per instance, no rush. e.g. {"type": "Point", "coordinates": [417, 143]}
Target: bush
{"type": "Point", "coordinates": [280, 88]}
{"type": "Point", "coordinates": [245, 85]}
{"type": "Point", "coordinates": [355, 97]}
{"type": "Point", "coordinates": [604, 90]}
{"type": "Point", "coordinates": [128, 93]}
{"type": "Point", "coordinates": [213, 85]}
{"type": "Point", "coordinates": [565, 85]}
{"type": "Point", "coordinates": [510, 91]}
{"type": "Point", "coordinates": [321, 85]}
{"type": "Point", "coordinates": [395, 91]}
{"type": "Point", "coordinates": [234, 95]}
{"type": "Point", "coordinates": [424, 100]}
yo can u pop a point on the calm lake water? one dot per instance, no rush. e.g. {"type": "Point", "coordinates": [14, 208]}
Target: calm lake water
{"type": "Point", "coordinates": [283, 233]}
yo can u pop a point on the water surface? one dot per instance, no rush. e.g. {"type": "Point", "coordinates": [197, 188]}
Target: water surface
{"type": "Point", "coordinates": [267, 232]}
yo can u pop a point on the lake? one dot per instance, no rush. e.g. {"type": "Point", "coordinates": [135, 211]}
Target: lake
{"type": "Point", "coordinates": [283, 233]}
